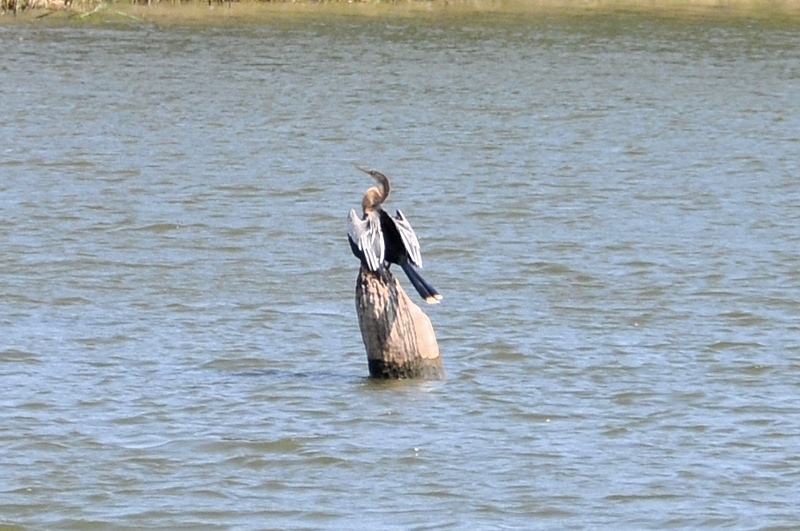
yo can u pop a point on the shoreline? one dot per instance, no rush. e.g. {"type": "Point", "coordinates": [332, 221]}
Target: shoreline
{"type": "Point", "coordinates": [168, 12]}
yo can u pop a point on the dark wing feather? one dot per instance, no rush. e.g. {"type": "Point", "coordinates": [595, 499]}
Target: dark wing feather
{"type": "Point", "coordinates": [367, 235]}
{"type": "Point", "coordinates": [409, 239]}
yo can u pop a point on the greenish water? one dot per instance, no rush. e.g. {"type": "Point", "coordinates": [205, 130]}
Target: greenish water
{"type": "Point", "coordinates": [608, 205]}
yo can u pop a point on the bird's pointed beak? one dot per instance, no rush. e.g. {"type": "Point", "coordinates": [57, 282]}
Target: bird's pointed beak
{"type": "Point", "coordinates": [362, 168]}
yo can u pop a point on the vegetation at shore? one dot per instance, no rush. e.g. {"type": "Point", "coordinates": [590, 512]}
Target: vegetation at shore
{"type": "Point", "coordinates": [195, 10]}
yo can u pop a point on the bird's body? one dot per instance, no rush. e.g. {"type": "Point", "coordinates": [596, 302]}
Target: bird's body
{"type": "Point", "coordinates": [379, 240]}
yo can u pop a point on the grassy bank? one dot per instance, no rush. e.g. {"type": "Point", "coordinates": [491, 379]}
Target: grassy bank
{"type": "Point", "coordinates": [201, 11]}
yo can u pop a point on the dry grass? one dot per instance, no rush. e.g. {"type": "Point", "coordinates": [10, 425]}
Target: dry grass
{"type": "Point", "coordinates": [176, 11]}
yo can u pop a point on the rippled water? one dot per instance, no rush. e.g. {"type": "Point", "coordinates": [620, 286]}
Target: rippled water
{"type": "Point", "coordinates": [609, 205]}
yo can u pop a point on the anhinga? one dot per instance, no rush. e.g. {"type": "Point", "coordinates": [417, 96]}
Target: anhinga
{"type": "Point", "coordinates": [379, 239]}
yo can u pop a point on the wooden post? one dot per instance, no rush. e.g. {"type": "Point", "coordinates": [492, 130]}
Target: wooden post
{"type": "Point", "coordinates": [398, 336]}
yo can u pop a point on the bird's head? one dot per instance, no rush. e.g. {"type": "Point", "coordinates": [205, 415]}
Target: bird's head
{"type": "Point", "coordinates": [375, 197]}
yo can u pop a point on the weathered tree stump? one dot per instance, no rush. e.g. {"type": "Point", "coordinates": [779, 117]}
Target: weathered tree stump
{"type": "Point", "coordinates": [397, 334]}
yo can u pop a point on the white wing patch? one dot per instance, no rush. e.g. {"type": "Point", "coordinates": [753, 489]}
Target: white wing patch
{"type": "Point", "coordinates": [409, 239]}
{"type": "Point", "coordinates": [368, 237]}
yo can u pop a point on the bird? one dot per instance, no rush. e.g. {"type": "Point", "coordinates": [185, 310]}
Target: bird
{"type": "Point", "coordinates": [379, 240]}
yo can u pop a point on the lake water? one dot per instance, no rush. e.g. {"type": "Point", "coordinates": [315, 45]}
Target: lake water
{"type": "Point", "coordinates": [608, 203]}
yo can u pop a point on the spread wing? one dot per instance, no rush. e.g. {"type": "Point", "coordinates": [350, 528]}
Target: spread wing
{"type": "Point", "coordinates": [366, 234]}
{"type": "Point", "coordinates": [409, 239]}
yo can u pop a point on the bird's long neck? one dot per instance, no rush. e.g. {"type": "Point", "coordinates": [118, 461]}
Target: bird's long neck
{"type": "Point", "coordinates": [384, 182]}
{"type": "Point", "coordinates": [374, 197]}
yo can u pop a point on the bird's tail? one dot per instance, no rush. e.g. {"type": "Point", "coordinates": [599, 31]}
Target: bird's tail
{"type": "Point", "coordinates": [425, 290]}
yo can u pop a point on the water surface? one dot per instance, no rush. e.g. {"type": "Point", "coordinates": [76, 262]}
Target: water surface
{"type": "Point", "coordinates": [608, 204]}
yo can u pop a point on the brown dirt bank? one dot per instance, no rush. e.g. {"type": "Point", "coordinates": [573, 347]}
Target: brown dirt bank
{"type": "Point", "coordinates": [257, 11]}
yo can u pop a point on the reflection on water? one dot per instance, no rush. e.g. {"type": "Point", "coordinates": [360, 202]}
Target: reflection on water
{"type": "Point", "coordinates": [608, 204]}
